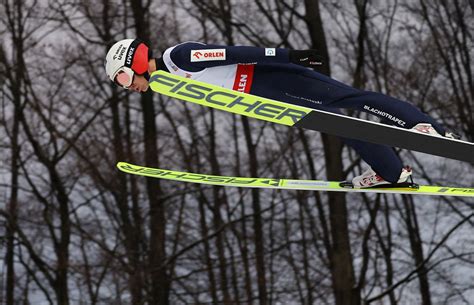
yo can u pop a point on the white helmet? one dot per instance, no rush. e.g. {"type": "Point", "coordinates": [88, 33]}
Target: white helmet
{"type": "Point", "coordinates": [129, 56]}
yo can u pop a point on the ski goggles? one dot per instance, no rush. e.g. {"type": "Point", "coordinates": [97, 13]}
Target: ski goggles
{"type": "Point", "coordinates": [124, 77]}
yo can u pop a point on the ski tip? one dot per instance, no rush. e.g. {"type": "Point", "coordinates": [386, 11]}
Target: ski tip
{"type": "Point", "coordinates": [123, 165]}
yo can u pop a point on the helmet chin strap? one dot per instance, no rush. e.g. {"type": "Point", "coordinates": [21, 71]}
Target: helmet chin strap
{"type": "Point", "coordinates": [150, 56]}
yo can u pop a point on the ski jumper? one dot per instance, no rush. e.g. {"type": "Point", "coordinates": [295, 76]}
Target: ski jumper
{"type": "Point", "coordinates": [267, 72]}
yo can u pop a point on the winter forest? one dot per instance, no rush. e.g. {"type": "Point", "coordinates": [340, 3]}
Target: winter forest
{"type": "Point", "coordinates": [75, 230]}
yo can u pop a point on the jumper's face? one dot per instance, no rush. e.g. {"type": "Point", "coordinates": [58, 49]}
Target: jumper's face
{"type": "Point", "coordinates": [139, 84]}
{"type": "Point", "coordinates": [126, 78]}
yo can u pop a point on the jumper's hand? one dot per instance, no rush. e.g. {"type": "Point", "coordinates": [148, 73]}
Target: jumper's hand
{"type": "Point", "coordinates": [306, 58]}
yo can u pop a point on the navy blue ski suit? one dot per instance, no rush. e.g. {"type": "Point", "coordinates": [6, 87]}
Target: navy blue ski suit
{"type": "Point", "coordinates": [275, 77]}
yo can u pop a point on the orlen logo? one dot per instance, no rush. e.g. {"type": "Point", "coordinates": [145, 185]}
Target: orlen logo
{"type": "Point", "coordinates": [207, 55]}
{"type": "Point", "coordinates": [242, 82]}
{"type": "Point", "coordinates": [197, 55]}
{"type": "Point", "coordinates": [243, 78]}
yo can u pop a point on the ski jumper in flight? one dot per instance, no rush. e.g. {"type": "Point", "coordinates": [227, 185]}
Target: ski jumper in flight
{"type": "Point", "coordinates": [279, 74]}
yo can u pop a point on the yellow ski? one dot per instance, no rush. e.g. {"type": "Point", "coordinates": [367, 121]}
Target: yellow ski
{"type": "Point", "coordinates": [287, 184]}
{"type": "Point", "coordinates": [213, 96]}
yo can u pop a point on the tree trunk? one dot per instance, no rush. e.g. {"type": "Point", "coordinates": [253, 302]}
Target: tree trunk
{"type": "Point", "coordinates": [417, 249]}
{"type": "Point", "coordinates": [17, 80]}
{"type": "Point", "coordinates": [342, 269]}
{"type": "Point", "coordinates": [216, 212]}
{"type": "Point", "coordinates": [131, 236]}
{"type": "Point", "coordinates": [160, 282]}
{"type": "Point", "coordinates": [257, 218]}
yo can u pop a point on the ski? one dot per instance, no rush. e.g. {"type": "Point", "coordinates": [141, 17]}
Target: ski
{"type": "Point", "coordinates": [297, 116]}
{"type": "Point", "coordinates": [289, 184]}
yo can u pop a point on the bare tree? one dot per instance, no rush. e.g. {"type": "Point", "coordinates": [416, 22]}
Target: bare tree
{"type": "Point", "coordinates": [79, 231]}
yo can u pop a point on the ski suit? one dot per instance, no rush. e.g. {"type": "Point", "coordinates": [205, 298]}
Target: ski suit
{"type": "Point", "coordinates": [268, 72]}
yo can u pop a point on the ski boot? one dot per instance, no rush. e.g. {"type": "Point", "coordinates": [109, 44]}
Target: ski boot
{"type": "Point", "coordinates": [429, 129]}
{"type": "Point", "coordinates": [370, 179]}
